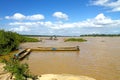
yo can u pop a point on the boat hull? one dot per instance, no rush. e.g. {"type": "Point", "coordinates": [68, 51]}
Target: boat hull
{"type": "Point", "coordinates": [56, 49]}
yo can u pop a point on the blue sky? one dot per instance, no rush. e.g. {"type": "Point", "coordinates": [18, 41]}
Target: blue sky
{"type": "Point", "coordinates": [60, 17]}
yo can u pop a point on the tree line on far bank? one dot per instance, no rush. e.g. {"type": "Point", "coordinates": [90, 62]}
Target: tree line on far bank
{"type": "Point", "coordinates": [10, 41]}
{"type": "Point", "coordinates": [100, 35]}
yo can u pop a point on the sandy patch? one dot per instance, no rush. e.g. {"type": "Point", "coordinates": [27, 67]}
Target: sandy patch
{"type": "Point", "coordinates": [4, 75]}
{"type": "Point", "coordinates": [1, 68]}
{"type": "Point", "coordinates": [63, 77]}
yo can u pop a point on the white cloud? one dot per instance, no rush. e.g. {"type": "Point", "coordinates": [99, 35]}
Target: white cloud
{"type": "Point", "coordinates": [99, 21]}
{"type": "Point", "coordinates": [102, 20]}
{"type": "Point", "coordinates": [19, 16]}
{"type": "Point", "coordinates": [32, 24]}
{"type": "Point", "coordinates": [100, 2]}
{"type": "Point", "coordinates": [29, 24]}
{"type": "Point", "coordinates": [20, 29]}
{"type": "Point", "coordinates": [35, 17]}
{"type": "Point", "coordinates": [16, 16]}
{"type": "Point", "coordinates": [60, 15]}
{"type": "Point", "coordinates": [113, 5]}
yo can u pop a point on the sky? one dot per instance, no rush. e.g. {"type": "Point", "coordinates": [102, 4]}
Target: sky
{"type": "Point", "coordinates": [60, 17]}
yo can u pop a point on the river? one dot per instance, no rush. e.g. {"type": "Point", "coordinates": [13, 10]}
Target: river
{"type": "Point", "coordinates": [98, 58]}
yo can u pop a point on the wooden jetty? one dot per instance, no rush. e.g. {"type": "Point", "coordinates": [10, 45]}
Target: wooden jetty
{"type": "Point", "coordinates": [22, 54]}
{"type": "Point", "coordinates": [56, 49]}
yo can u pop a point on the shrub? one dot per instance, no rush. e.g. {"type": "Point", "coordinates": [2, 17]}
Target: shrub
{"type": "Point", "coordinates": [10, 41]}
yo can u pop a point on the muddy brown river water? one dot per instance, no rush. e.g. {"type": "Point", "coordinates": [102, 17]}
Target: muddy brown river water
{"type": "Point", "coordinates": [98, 58]}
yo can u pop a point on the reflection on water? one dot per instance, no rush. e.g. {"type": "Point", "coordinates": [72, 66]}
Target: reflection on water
{"type": "Point", "coordinates": [99, 58]}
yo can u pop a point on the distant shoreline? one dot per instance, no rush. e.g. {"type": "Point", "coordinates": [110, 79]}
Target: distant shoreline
{"type": "Point", "coordinates": [85, 35]}
{"type": "Point", "coordinates": [47, 36]}
{"type": "Point", "coordinates": [100, 35]}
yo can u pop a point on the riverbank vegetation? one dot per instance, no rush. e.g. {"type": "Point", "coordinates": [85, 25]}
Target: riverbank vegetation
{"type": "Point", "coordinates": [10, 41]}
{"type": "Point", "coordinates": [75, 40]}
{"type": "Point", "coordinates": [20, 71]}
{"type": "Point", "coordinates": [100, 35]}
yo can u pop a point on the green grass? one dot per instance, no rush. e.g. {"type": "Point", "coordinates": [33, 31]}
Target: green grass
{"type": "Point", "coordinates": [75, 40]}
{"type": "Point", "coordinates": [28, 39]}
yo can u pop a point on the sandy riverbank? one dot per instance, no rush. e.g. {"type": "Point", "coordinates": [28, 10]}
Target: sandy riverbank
{"type": "Point", "coordinates": [7, 76]}
{"type": "Point", "coordinates": [3, 75]}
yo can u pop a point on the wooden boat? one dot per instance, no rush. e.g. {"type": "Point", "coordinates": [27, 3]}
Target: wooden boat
{"type": "Point", "coordinates": [22, 54]}
{"type": "Point", "coordinates": [56, 49]}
